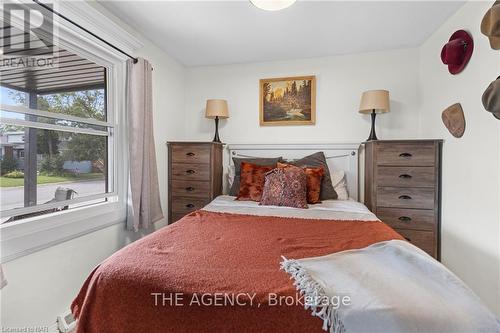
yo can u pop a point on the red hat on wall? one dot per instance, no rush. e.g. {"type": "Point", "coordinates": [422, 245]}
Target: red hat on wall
{"type": "Point", "coordinates": [458, 51]}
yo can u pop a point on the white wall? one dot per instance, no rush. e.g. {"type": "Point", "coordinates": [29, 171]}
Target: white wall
{"type": "Point", "coordinates": [471, 213]}
{"type": "Point", "coordinates": [340, 82]}
{"type": "Point", "coordinates": [43, 284]}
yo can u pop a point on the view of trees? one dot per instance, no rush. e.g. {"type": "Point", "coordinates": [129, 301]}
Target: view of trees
{"type": "Point", "coordinates": [80, 147]}
{"type": "Point", "coordinates": [291, 102]}
{"type": "Point", "coordinates": [57, 146]}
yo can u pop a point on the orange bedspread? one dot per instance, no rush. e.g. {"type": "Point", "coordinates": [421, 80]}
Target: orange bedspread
{"type": "Point", "coordinates": [212, 258]}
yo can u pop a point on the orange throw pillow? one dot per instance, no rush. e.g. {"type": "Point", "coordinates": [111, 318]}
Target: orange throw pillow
{"type": "Point", "coordinates": [252, 178]}
{"type": "Point", "coordinates": [313, 181]}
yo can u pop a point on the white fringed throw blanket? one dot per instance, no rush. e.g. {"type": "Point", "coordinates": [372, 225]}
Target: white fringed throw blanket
{"type": "Point", "coordinates": [389, 286]}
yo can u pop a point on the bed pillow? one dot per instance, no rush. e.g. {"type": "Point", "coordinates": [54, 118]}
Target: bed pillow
{"type": "Point", "coordinates": [313, 182]}
{"type": "Point", "coordinates": [285, 187]}
{"type": "Point", "coordinates": [252, 179]}
{"type": "Point", "coordinates": [340, 184]}
{"type": "Point", "coordinates": [235, 186]}
{"type": "Point", "coordinates": [318, 160]}
{"type": "Point", "coordinates": [230, 175]}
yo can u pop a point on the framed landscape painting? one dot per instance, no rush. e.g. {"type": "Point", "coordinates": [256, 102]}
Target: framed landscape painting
{"type": "Point", "coordinates": [288, 101]}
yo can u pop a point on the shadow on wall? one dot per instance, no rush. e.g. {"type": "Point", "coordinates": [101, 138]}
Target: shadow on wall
{"type": "Point", "coordinates": [386, 122]}
{"type": "Point", "coordinates": [397, 112]}
{"type": "Point", "coordinates": [482, 269]}
{"type": "Point", "coordinates": [130, 236]}
{"type": "Point", "coordinates": [206, 127]}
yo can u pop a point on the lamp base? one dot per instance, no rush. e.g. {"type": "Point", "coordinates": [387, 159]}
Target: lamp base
{"type": "Point", "coordinates": [216, 136]}
{"type": "Point", "coordinates": [373, 135]}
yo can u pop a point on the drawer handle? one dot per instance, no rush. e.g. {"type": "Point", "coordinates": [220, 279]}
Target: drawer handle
{"type": "Point", "coordinates": [189, 188]}
{"type": "Point", "coordinates": [405, 155]}
{"type": "Point", "coordinates": [404, 197]}
{"type": "Point", "coordinates": [405, 176]}
{"type": "Point", "coordinates": [404, 219]}
{"type": "Point", "coordinates": [190, 154]}
{"type": "Point", "coordinates": [190, 171]}
{"type": "Point", "coordinates": [189, 205]}
{"type": "Point", "coordinates": [408, 239]}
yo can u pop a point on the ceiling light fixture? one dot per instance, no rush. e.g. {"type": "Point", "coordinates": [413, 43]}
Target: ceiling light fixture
{"type": "Point", "coordinates": [272, 4]}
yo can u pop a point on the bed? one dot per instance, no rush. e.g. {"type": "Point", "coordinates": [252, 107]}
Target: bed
{"type": "Point", "coordinates": [218, 268]}
{"type": "Point", "coordinates": [229, 248]}
{"type": "Point", "coordinates": [210, 253]}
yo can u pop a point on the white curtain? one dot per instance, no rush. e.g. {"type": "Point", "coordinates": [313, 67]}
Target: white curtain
{"type": "Point", "coordinates": [144, 206]}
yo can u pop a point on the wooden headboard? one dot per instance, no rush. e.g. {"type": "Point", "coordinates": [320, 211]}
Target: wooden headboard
{"type": "Point", "coordinates": [344, 156]}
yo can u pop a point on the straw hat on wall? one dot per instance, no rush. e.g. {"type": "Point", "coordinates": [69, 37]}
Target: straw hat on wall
{"type": "Point", "coordinates": [454, 120]}
{"type": "Point", "coordinates": [490, 26]}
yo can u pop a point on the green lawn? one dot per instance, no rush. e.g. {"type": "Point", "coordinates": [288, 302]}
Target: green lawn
{"type": "Point", "coordinates": [12, 182]}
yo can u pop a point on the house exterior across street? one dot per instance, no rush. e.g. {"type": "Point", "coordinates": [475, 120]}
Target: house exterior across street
{"type": "Point", "coordinates": [12, 146]}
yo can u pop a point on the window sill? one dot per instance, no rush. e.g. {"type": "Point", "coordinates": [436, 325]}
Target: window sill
{"type": "Point", "coordinates": [34, 234]}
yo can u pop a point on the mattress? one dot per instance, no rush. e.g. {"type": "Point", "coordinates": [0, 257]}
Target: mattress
{"type": "Point", "coordinates": [326, 210]}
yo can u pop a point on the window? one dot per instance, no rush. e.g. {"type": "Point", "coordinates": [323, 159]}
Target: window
{"type": "Point", "coordinates": [64, 126]}
{"type": "Point", "coordinates": [57, 140]}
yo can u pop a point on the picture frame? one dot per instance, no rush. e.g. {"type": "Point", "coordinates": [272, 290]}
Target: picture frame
{"type": "Point", "coordinates": [287, 101]}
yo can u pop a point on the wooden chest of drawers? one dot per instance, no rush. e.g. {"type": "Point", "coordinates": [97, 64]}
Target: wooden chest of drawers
{"type": "Point", "coordinates": [403, 188]}
{"type": "Point", "coordinates": [194, 176]}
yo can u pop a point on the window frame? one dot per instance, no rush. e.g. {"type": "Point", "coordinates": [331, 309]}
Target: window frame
{"type": "Point", "coordinates": [26, 236]}
{"type": "Point", "coordinates": [108, 133]}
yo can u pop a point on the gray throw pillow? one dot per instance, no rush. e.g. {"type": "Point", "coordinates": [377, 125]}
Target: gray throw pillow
{"type": "Point", "coordinates": [235, 188]}
{"type": "Point", "coordinates": [317, 160]}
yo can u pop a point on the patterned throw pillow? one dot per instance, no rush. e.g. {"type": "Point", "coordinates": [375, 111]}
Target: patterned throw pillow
{"type": "Point", "coordinates": [285, 187]}
{"type": "Point", "coordinates": [252, 179]}
{"type": "Point", "coordinates": [314, 177]}
{"type": "Point", "coordinates": [318, 160]}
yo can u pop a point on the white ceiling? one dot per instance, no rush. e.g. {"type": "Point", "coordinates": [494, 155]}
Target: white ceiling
{"type": "Point", "coordinates": [226, 32]}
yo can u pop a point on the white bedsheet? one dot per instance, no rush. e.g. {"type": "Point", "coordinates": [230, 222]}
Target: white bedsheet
{"type": "Point", "coordinates": [327, 210]}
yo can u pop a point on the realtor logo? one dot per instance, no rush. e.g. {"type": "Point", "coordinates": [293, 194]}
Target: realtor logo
{"type": "Point", "coordinates": [27, 36]}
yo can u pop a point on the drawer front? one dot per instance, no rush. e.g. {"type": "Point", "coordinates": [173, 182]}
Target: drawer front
{"type": "Point", "coordinates": [187, 205]}
{"type": "Point", "coordinates": [191, 189]}
{"type": "Point", "coordinates": [187, 171]}
{"type": "Point", "coordinates": [424, 240]}
{"type": "Point", "coordinates": [196, 154]}
{"type": "Point", "coordinates": [415, 219]}
{"type": "Point", "coordinates": [410, 154]}
{"type": "Point", "coordinates": [397, 197]}
{"type": "Point", "coordinates": [406, 176]}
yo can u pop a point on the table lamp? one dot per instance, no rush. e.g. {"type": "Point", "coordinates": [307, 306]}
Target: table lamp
{"type": "Point", "coordinates": [373, 102]}
{"type": "Point", "coordinates": [216, 109]}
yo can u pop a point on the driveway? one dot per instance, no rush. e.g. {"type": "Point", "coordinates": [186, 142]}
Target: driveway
{"type": "Point", "coordinates": [13, 197]}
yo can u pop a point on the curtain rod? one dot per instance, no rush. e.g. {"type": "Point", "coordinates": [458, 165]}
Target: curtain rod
{"type": "Point", "coordinates": [84, 29]}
